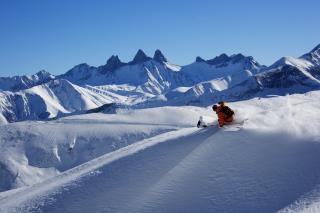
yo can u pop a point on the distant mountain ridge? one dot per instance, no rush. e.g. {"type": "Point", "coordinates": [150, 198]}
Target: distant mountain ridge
{"type": "Point", "coordinates": [287, 75]}
{"type": "Point", "coordinates": [17, 83]}
{"type": "Point", "coordinates": [79, 74]}
{"type": "Point", "coordinates": [156, 75]}
{"type": "Point", "coordinates": [154, 81]}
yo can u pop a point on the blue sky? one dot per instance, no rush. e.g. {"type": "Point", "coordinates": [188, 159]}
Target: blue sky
{"type": "Point", "coordinates": [55, 35]}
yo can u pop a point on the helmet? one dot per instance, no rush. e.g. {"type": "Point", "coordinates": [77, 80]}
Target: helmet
{"type": "Point", "coordinates": [221, 103]}
{"type": "Point", "coordinates": [214, 107]}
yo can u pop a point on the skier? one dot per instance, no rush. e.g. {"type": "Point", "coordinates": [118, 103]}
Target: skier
{"type": "Point", "coordinates": [224, 113]}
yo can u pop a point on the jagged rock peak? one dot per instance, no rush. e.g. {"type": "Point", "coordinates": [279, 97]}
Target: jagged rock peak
{"type": "Point", "coordinates": [43, 73]}
{"type": "Point", "coordinates": [158, 56]}
{"type": "Point", "coordinates": [140, 57]}
{"type": "Point", "coordinates": [114, 61]}
{"type": "Point", "coordinates": [313, 56]}
{"type": "Point", "coordinates": [239, 57]}
{"type": "Point", "coordinates": [316, 49]}
{"type": "Point", "coordinates": [223, 58]}
{"type": "Point", "coordinates": [199, 59]}
{"type": "Point", "coordinates": [112, 64]}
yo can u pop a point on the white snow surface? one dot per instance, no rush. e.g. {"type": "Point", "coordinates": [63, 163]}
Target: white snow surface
{"type": "Point", "coordinates": [33, 151]}
{"type": "Point", "coordinates": [266, 161]}
{"type": "Point", "coordinates": [3, 120]}
{"type": "Point", "coordinates": [288, 60]}
{"type": "Point", "coordinates": [173, 67]}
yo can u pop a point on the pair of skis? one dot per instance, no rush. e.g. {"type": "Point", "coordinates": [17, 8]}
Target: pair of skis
{"type": "Point", "coordinates": [236, 123]}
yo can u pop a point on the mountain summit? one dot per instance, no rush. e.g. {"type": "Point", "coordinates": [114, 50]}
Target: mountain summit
{"type": "Point", "coordinates": [140, 57]}
{"type": "Point", "coordinates": [199, 59]}
{"type": "Point", "coordinates": [316, 49]}
{"type": "Point", "coordinates": [159, 57]}
{"type": "Point", "coordinates": [113, 63]}
{"type": "Point", "coordinates": [223, 58]}
{"type": "Point", "coordinates": [313, 56]}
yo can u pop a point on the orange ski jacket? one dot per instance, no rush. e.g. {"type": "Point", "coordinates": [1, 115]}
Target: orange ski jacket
{"type": "Point", "coordinates": [222, 117]}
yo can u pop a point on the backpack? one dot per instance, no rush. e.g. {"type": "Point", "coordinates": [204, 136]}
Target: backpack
{"type": "Point", "coordinates": [227, 111]}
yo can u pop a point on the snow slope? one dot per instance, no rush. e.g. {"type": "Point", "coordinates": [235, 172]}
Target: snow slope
{"type": "Point", "coordinates": [33, 151]}
{"type": "Point", "coordinates": [48, 100]}
{"type": "Point", "coordinates": [266, 162]}
{"type": "Point", "coordinates": [3, 120]}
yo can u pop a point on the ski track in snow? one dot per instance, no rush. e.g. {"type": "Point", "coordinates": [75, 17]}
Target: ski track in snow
{"type": "Point", "coordinates": [67, 177]}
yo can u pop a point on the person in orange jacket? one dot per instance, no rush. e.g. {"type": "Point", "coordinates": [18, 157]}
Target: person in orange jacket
{"type": "Point", "coordinates": [224, 113]}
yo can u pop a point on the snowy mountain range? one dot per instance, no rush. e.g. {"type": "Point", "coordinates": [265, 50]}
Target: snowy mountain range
{"type": "Point", "coordinates": [286, 76]}
{"type": "Point", "coordinates": [154, 81]}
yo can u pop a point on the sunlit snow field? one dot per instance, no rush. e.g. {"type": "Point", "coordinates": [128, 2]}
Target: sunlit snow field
{"type": "Point", "coordinates": [156, 160]}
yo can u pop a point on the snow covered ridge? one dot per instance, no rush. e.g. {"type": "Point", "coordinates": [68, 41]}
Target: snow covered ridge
{"type": "Point", "coordinates": [313, 56]}
{"type": "Point", "coordinates": [23, 82]}
{"type": "Point", "coordinates": [3, 120]}
{"type": "Point", "coordinates": [48, 101]}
